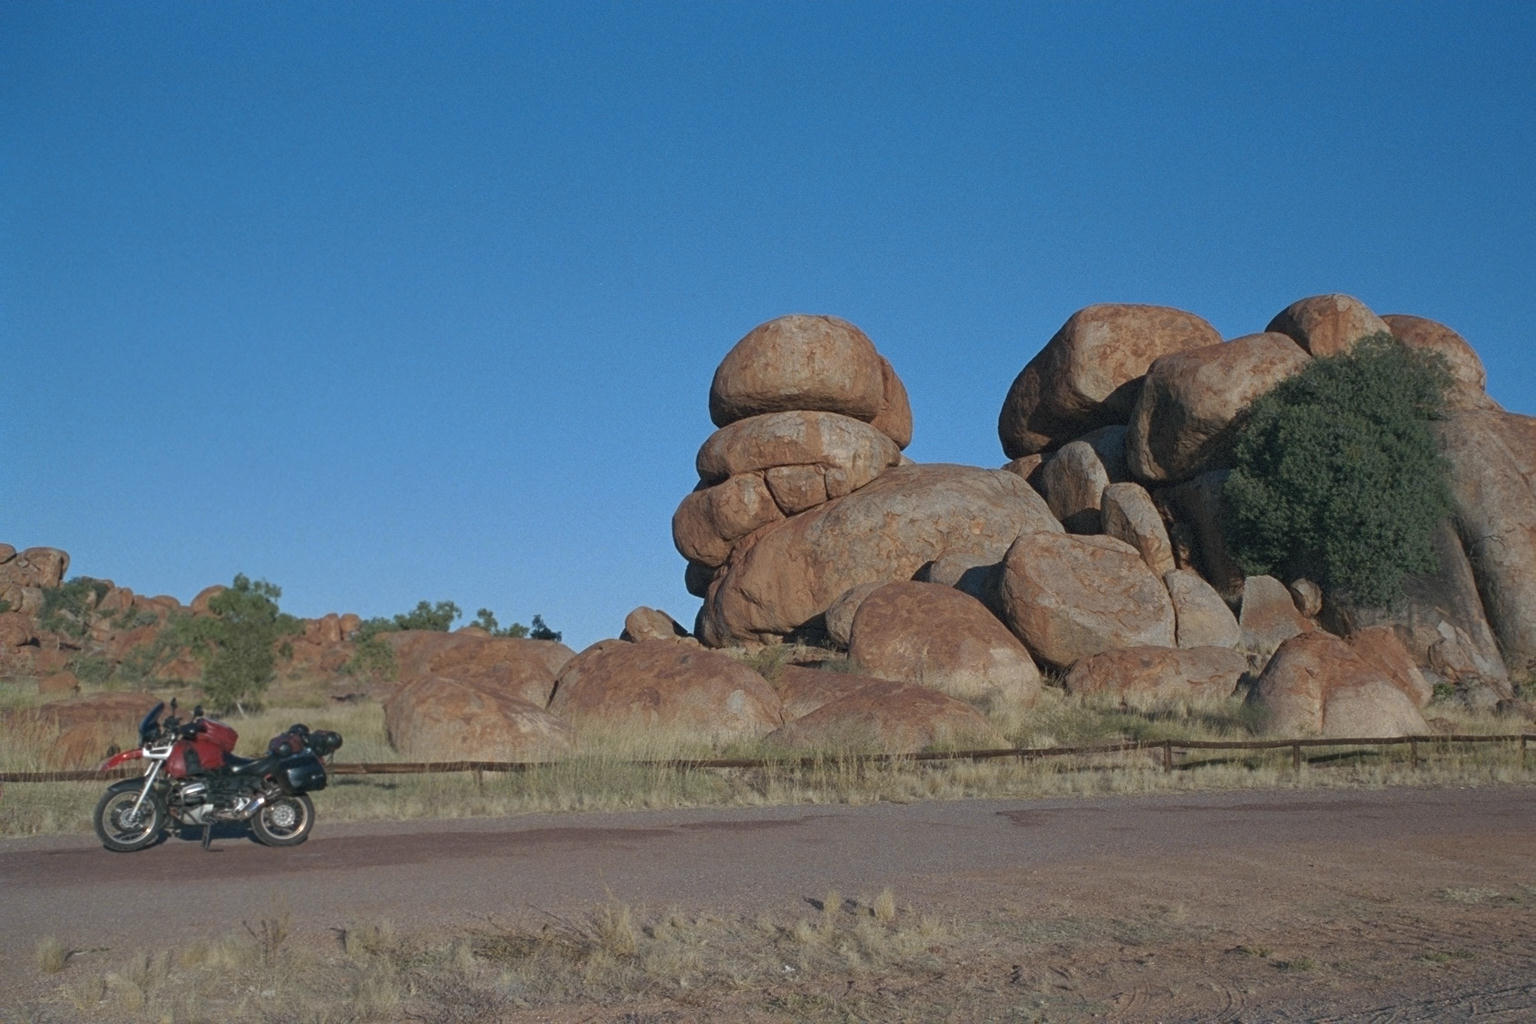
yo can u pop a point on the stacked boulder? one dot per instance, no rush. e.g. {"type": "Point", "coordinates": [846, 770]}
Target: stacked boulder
{"type": "Point", "coordinates": [803, 491]}
{"type": "Point", "coordinates": [808, 411]}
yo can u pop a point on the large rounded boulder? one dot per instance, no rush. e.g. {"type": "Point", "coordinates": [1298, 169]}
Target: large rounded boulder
{"type": "Point", "coordinates": [615, 685]}
{"type": "Point", "coordinates": [1190, 403]}
{"type": "Point", "coordinates": [442, 719]}
{"type": "Point", "coordinates": [1327, 325]}
{"type": "Point", "coordinates": [1492, 456]}
{"type": "Point", "coordinates": [783, 578]}
{"type": "Point", "coordinates": [1069, 597]}
{"type": "Point", "coordinates": [1469, 380]}
{"type": "Point", "coordinates": [1089, 374]}
{"type": "Point", "coordinates": [1318, 684]}
{"type": "Point", "coordinates": [934, 636]}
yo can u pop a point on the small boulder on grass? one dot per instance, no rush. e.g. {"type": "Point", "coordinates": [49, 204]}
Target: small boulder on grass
{"type": "Point", "coordinates": [661, 684]}
{"type": "Point", "coordinates": [1196, 673]}
{"type": "Point", "coordinates": [517, 666]}
{"type": "Point", "coordinates": [78, 732]}
{"type": "Point", "coordinates": [443, 719]}
{"type": "Point", "coordinates": [893, 718]}
{"type": "Point", "coordinates": [804, 689]}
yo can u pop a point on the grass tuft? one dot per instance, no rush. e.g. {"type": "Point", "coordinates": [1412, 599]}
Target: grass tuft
{"type": "Point", "coordinates": [52, 955]}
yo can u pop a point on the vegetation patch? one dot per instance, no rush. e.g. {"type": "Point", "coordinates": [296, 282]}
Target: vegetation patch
{"type": "Point", "coordinates": [1337, 473]}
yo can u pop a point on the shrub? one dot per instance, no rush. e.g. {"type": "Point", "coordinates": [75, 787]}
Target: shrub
{"type": "Point", "coordinates": [1337, 474]}
{"type": "Point", "coordinates": [67, 607]}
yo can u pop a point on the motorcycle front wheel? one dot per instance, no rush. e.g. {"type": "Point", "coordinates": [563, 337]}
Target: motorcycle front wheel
{"type": "Point", "coordinates": [120, 829]}
{"type": "Point", "coordinates": [285, 821]}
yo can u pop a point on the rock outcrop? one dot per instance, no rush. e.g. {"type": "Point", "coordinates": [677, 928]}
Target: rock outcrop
{"type": "Point", "coordinates": [1492, 456]}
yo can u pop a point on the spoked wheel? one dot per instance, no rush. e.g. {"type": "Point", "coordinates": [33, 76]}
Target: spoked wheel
{"type": "Point", "coordinates": [121, 828]}
{"type": "Point", "coordinates": [285, 821]}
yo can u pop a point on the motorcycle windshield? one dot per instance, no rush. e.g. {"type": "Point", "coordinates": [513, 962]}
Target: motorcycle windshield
{"type": "Point", "coordinates": [147, 726]}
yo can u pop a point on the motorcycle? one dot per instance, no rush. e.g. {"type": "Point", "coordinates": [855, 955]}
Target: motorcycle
{"type": "Point", "coordinates": [193, 778]}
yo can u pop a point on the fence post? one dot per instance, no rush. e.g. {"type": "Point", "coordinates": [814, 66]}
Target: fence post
{"type": "Point", "coordinates": [1413, 752]}
{"type": "Point", "coordinates": [1523, 738]}
{"type": "Point", "coordinates": [1167, 755]}
{"type": "Point", "coordinates": [1296, 758]}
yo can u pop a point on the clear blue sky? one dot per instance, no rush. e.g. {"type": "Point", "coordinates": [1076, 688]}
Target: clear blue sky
{"type": "Point", "coordinates": [386, 302]}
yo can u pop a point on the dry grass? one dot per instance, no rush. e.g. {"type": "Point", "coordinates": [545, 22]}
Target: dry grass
{"type": "Point", "coordinates": [616, 956]}
{"type": "Point", "coordinates": [619, 769]}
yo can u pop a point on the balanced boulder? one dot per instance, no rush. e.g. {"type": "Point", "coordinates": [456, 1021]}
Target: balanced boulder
{"type": "Point", "coordinates": [804, 362]}
{"type": "Point", "coordinates": [514, 666]}
{"type": "Point", "coordinates": [1469, 380]}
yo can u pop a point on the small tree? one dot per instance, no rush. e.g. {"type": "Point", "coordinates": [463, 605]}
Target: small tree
{"type": "Point", "coordinates": [1337, 474]}
{"type": "Point", "coordinates": [486, 620]}
{"type": "Point", "coordinates": [436, 617]}
{"type": "Point", "coordinates": [239, 643]}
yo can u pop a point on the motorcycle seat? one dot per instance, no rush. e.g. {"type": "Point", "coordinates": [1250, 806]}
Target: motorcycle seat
{"type": "Point", "coordinates": [238, 765]}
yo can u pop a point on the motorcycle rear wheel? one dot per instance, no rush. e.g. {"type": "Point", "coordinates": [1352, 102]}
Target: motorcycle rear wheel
{"type": "Point", "coordinates": [285, 821]}
{"type": "Point", "coordinates": [120, 829]}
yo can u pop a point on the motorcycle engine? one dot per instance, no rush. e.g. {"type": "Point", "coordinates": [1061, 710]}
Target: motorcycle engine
{"type": "Point", "coordinates": [214, 799]}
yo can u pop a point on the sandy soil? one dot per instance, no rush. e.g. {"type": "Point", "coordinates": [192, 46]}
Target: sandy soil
{"type": "Point", "coordinates": [1396, 905]}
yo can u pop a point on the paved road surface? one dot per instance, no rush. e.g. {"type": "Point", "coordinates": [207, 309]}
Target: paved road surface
{"type": "Point", "coordinates": [938, 854]}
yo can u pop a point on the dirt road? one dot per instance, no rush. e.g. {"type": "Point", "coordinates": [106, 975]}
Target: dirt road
{"type": "Point", "coordinates": [1402, 904]}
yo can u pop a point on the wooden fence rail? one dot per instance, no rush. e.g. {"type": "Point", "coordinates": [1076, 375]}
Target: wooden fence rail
{"type": "Point", "coordinates": [1415, 744]}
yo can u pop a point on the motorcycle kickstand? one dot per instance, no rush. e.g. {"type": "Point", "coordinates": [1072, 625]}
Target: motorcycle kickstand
{"type": "Point", "coordinates": [207, 835]}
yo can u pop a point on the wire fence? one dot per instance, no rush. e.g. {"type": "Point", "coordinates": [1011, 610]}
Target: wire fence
{"type": "Point", "coordinates": [1173, 754]}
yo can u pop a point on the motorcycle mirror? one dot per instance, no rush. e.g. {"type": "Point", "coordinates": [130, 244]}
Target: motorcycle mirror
{"type": "Point", "coordinates": [173, 705]}
{"type": "Point", "coordinates": [197, 711]}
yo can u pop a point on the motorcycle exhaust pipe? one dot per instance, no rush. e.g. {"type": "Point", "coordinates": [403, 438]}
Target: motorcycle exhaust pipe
{"type": "Point", "coordinates": [244, 812]}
